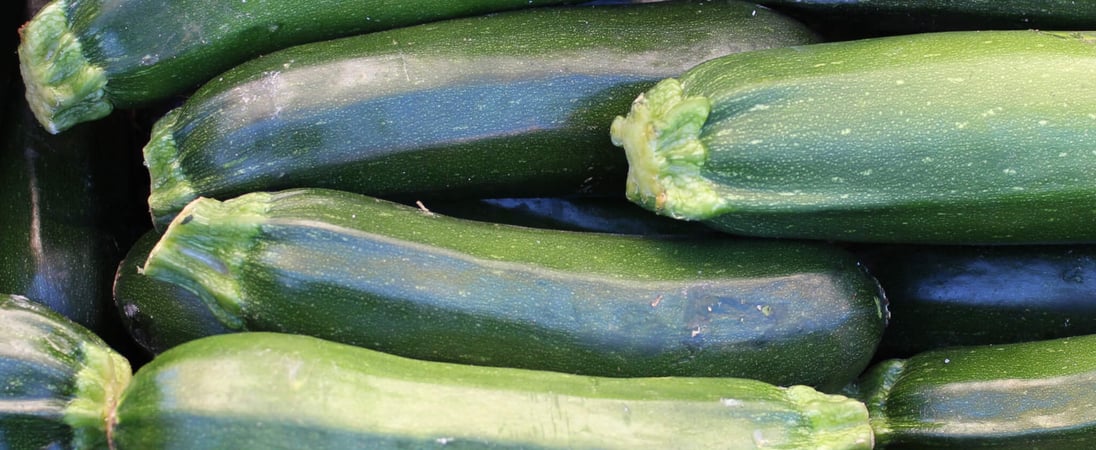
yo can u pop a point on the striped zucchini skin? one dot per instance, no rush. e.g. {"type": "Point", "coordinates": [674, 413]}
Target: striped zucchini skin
{"type": "Point", "coordinates": [962, 137]}
{"type": "Point", "coordinates": [58, 380]}
{"type": "Point", "coordinates": [81, 58]}
{"type": "Point", "coordinates": [266, 390]}
{"type": "Point", "coordinates": [513, 102]}
{"type": "Point", "coordinates": [358, 270]}
{"type": "Point", "coordinates": [1016, 396]}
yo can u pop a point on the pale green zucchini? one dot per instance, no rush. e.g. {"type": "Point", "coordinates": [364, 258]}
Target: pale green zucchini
{"type": "Point", "coordinates": [265, 390]}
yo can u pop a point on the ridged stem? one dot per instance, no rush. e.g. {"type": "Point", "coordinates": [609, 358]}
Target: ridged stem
{"type": "Point", "coordinates": [834, 421]}
{"type": "Point", "coordinates": [660, 136]}
{"type": "Point", "coordinates": [99, 387]}
{"type": "Point", "coordinates": [203, 249]}
{"type": "Point", "coordinates": [170, 189]}
{"type": "Point", "coordinates": [63, 88]}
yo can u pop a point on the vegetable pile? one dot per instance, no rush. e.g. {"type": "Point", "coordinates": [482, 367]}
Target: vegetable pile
{"type": "Point", "coordinates": [548, 224]}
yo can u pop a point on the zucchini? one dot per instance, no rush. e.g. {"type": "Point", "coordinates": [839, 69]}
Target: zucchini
{"type": "Point", "coordinates": [941, 296]}
{"type": "Point", "coordinates": [58, 380]}
{"type": "Point", "coordinates": [363, 271]}
{"type": "Point", "coordinates": [297, 391]}
{"type": "Point", "coordinates": [61, 222]}
{"type": "Point", "coordinates": [960, 137]}
{"type": "Point", "coordinates": [513, 102]}
{"type": "Point", "coordinates": [156, 314]}
{"type": "Point", "coordinates": [82, 58]}
{"type": "Point", "coordinates": [1031, 395]}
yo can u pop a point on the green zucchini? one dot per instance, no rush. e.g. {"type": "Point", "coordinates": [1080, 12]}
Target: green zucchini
{"type": "Point", "coordinates": [961, 137]}
{"type": "Point", "coordinates": [382, 275]}
{"type": "Point", "coordinates": [58, 380]}
{"type": "Point", "coordinates": [82, 58]}
{"type": "Point", "coordinates": [942, 296]}
{"type": "Point", "coordinates": [156, 314]}
{"type": "Point", "coordinates": [62, 220]}
{"type": "Point", "coordinates": [1031, 395]}
{"type": "Point", "coordinates": [292, 391]}
{"type": "Point", "coordinates": [512, 102]}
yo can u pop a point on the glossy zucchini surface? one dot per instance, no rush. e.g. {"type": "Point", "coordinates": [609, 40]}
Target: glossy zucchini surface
{"type": "Point", "coordinates": [358, 270]}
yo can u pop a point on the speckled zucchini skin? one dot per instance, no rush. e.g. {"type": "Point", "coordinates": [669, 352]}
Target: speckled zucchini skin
{"type": "Point", "coordinates": [58, 381]}
{"type": "Point", "coordinates": [513, 103]}
{"type": "Point", "coordinates": [1032, 395]}
{"type": "Point", "coordinates": [265, 390]}
{"type": "Point", "coordinates": [358, 270]}
{"type": "Point", "coordinates": [82, 58]}
{"type": "Point", "coordinates": [962, 137]}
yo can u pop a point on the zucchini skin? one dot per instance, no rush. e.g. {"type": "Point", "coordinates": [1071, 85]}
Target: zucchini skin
{"type": "Point", "coordinates": [58, 380]}
{"type": "Point", "coordinates": [90, 56]}
{"type": "Point", "coordinates": [1013, 396]}
{"type": "Point", "coordinates": [959, 138]}
{"type": "Point", "coordinates": [61, 225]}
{"type": "Point", "coordinates": [943, 296]}
{"type": "Point", "coordinates": [512, 102]}
{"type": "Point", "coordinates": [386, 276]}
{"type": "Point", "coordinates": [156, 314]}
{"type": "Point", "coordinates": [267, 390]}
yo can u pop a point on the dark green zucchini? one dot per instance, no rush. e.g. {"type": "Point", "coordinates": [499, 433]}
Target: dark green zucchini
{"type": "Point", "coordinates": [382, 275]}
{"type": "Point", "coordinates": [82, 58]}
{"type": "Point", "coordinates": [961, 137]}
{"type": "Point", "coordinates": [64, 218]}
{"type": "Point", "coordinates": [512, 103]}
{"type": "Point", "coordinates": [265, 390]}
{"type": "Point", "coordinates": [158, 315]}
{"type": "Point", "coordinates": [942, 296]}
{"type": "Point", "coordinates": [881, 17]}
{"type": "Point", "coordinates": [59, 381]}
{"type": "Point", "coordinates": [1032, 395]}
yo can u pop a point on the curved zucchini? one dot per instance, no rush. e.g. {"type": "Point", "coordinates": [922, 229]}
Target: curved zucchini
{"type": "Point", "coordinates": [962, 137]}
{"type": "Point", "coordinates": [1017, 396]}
{"type": "Point", "coordinates": [82, 58]}
{"type": "Point", "coordinates": [296, 391]}
{"type": "Point", "coordinates": [513, 102]}
{"type": "Point", "coordinates": [358, 270]}
{"type": "Point", "coordinates": [158, 315]}
{"type": "Point", "coordinates": [59, 382]}
{"type": "Point", "coordinates": [943, 296]}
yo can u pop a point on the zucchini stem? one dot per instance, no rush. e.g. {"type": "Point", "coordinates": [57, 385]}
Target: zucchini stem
{"type": "Point", "coordinates": [62, 87]}
{"type": "Point", "coordinates": [661, 139]}
{"type": "Point", "coordinates": [99, 387]}
{"type": "Point", "coordinates": [171, 189]}
{"type": "Point", "coordinates": [190, 253]}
